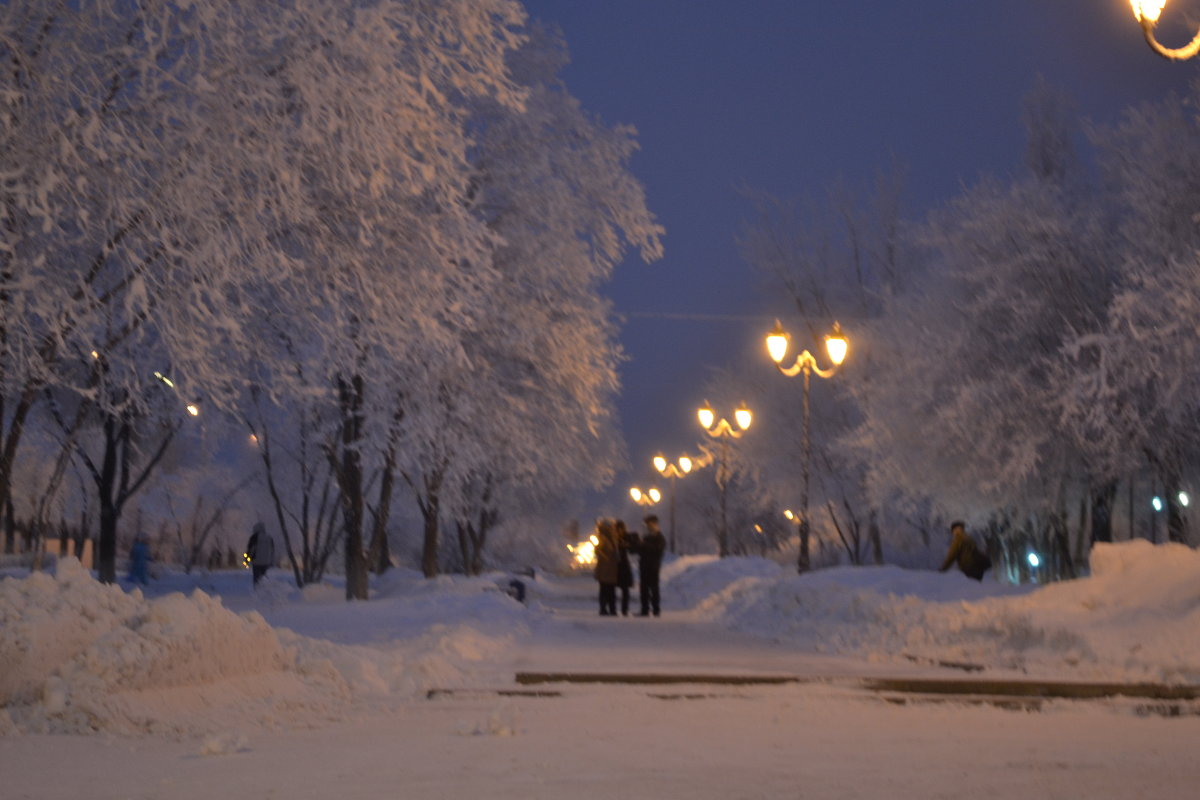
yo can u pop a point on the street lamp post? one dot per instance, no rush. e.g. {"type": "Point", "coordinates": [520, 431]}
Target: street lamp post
{"type": "Point", "coordinates": [806, 364]}
{"type": "Point", "coordinates": [669, 470]}
{"type": "Point", "coordinates": [1147, 13]}
{"type": "Point", "coordinates": [724, 431]}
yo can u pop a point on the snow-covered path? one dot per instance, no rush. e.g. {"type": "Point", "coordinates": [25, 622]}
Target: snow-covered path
{"type": "Point", "coordinates": [619, 741]}
{"type": "Point", "coordinates": [574, 638]}
{"type": "Point", "coordinates": [479, 739]}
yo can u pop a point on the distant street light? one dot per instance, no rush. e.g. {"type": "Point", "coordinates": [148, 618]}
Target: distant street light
{"type": "Point", "coordinates": [669, 470]}
{"type": "Point", "coordinates": [836, 345]}
{"type": "Point", "coordinates": [646, 498]}
{"type": "Point", "coordinates": [724, 431]}
{"type": "Point", "coordinates": [1147, 13]}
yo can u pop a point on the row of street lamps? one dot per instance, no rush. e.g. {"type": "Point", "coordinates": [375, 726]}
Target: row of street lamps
{"type": "Point", "coordinates": [1147, 13]}
{"type": "Point", "coordinates": [778, 342]}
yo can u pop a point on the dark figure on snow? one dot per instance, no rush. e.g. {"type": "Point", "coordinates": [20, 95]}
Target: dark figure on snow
{"type": "Point", "coordinates": [607, 571]}
{"type": "Point", "coordinates": [963, 551]}
{"type": "Point", "coordinates": [650, 553]}
{"type": "Point", "coordinates": [139, 560]}
{"type": "Point", "coordinates": [261, 551]}
{"type": "Point", "coordinates": [624, 568]}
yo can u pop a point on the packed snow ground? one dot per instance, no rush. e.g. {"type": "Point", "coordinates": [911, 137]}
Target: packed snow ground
{"type": "Point", "coordinates": [199, 687]}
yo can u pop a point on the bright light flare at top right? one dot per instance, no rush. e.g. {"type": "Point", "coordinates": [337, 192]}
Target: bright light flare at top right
{"type": "Point", "coordinates": [1148, 10]}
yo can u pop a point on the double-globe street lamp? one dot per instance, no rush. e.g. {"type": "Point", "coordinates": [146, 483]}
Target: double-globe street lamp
{"type": "Point", "coordinates": [806, 364]}
{"type": "Point", "coordinates": [1147, 13]}
{"type": "Point", "coordinates": [681, 467]}
{"type": "Point", "coordinates": [724, 431]}
{"type": "Point", "coordinates": [646, 498]}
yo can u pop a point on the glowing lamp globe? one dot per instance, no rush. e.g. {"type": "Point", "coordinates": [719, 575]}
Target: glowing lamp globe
{"type": "Point", "coordinates": [660, 463]}
{"type": "Point", "coordinates": [777, 343]}
{"type": "Point", "coordinates": [743, 417]}
{"type": "Point", "coordinates": [685, 464]}
{"type": "Point", "coordinates": [1147, 10]}
{"type": "Point", "coordinates": [706, 416]}
{"type": "Point", "coordinates": [836, 345]}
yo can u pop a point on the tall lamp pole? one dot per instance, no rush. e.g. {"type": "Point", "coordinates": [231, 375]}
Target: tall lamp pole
{"type": "Point", "coordinates": [836, 346]}
{"type": "Point", "coordinates": [669, 470]}
{"type": "Point", "coordinates": [1147, 13]}
{"type": "Point", "coordinates": [724, 431]}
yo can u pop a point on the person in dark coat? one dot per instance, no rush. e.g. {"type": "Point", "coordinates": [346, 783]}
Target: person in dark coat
{"type": "Point", "coordinates": [607, 570]}
{"type": "Point", "coordinates": [261, 551]}
{"type": "Point", "coordinates": [650, 553]}
{"type": "Point", "coordinates": [963, 551]}
{"type": "Point", "coordinates": [624, 568]}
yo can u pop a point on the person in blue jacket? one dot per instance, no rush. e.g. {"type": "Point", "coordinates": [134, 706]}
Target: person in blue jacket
{"type": "Point", "coordinates": [139, 560]}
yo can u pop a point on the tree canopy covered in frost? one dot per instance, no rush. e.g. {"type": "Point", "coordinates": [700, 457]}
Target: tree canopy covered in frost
{"type": "Point", "coordinates": [1041, 349]}
{"type": "Point", "coordinates": [382, 224]}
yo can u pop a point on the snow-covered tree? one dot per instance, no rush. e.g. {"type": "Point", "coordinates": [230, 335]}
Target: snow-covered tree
{"type": "Point", "coordinates": [530, 411]}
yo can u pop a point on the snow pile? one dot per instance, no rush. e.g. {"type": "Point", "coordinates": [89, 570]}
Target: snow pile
{"type": "Point", "coordinates": [78, 656]}
{"type": "Point", "coordinates": [694, 579]}
{"type": "Point", "coordinates": [1133, 619]}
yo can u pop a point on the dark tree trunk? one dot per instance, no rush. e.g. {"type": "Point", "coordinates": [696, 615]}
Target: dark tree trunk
{"type": "Point", "coordinates": [10, 526]}
{"type": "Point", "coordinates": [429, 546]}
{"type": "Point", "coordinates": [106, 482]}
{"type": "Point", "coordinates": [1103, 498]}
{"type": "Point", "coordinates": [379, 557]}
{"type": "Point", "coordinates": [9, 442]}
{"type": "Point", "coordinates": [875, 537]}
{"type": "Point", "coordinates": [350, 481]}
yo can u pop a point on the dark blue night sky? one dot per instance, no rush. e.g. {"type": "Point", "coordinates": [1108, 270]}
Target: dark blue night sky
{"type": "Point", "coordinates": [790, 97]}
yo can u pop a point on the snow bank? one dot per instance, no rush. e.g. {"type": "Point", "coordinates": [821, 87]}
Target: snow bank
{"type": "Point", "coordinates": [694, 579]}
{"type": "Point", "coordinates": [1134, 618]}
{"type": "Point", "coordinates": [78, 656]}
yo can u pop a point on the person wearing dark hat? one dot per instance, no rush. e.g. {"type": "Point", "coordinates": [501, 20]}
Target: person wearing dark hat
{"type": "Point", "coordinates": [650, 553]}
{"type": "Point", "coordinates": [963, 551]}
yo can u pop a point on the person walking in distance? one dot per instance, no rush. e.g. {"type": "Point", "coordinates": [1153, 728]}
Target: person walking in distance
{"type": "Point", "coordinates": [261, 550]}
{"type": "Point", "coordinates": [965, 553]}
{"type": "Point", "coordinates": [650, 553]}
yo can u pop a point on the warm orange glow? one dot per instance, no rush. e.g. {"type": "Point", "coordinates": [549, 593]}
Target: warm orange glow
{"type": "Point", "coordinates": [636, 494]}
{"type": "Point", "coordinates": [655, 495]}
{"type": "Point", "coordinates": [660, 463]}
{"type": "Point", "coordinates": [685, 464]}
{"type": "Point", "coordinates": [787, 512]}
{"type": "Point", "coordinates": [777, 343]}
{"type": "Point", "coordinates": [743, 417]}
{"type": "Point", "coordinates": [1148, 10]}
{"type": "Point", "coordinates": [193, 409]}
{"type": "Point", "coordinates": [706, 416]}
{"type": "Point", "coordinates": [836, 345]}
{"type": "Point", "coordinates": [584, 553]}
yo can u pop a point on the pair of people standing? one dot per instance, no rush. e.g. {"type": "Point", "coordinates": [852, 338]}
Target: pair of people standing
{"type": "Point", "coordinates": [614, 571]}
